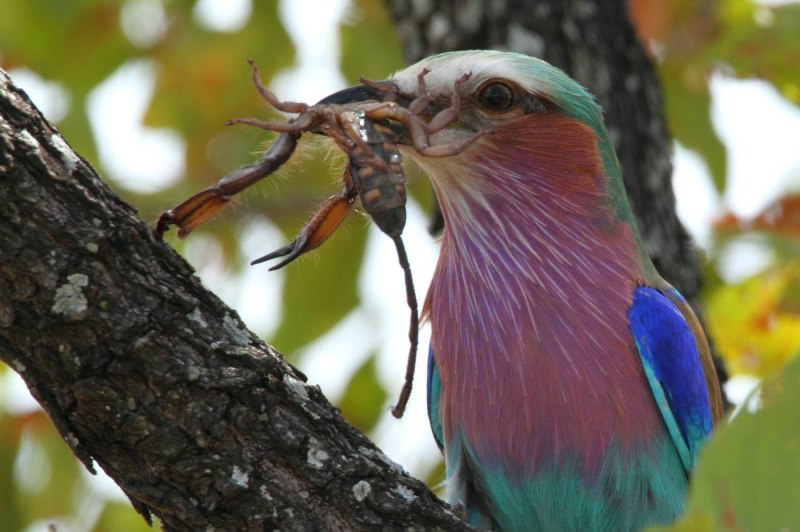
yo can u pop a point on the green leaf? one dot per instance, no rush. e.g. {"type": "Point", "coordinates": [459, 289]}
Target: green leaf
{"type": "Point", "coordinates": [364, 399]}
{"type": "Point", "coordinates": [320, 288]}
{"type": "Point", "coordinates": [435, 479]}
{"type": "Point", "coordinates": [746, 477]}
{"type": "Point", "coordinates": [761, 41]}
{"type": "Point", "coordinates": [119, 516]}
{"type": "Point", "coordinates": [687, 106]}
{"type": "Point", "coordinates": [369, 43]}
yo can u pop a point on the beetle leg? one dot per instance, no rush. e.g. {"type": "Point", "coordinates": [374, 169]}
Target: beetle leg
{"type": "Point", "coordinates": [269, 96]}
{"type": "Point", "coordinates": [417, 128]}
{"type": "Point", "coordinates": [421, 102]}
{"type": "Point", "coordinates": [205, 204]}
{"type": "Point", "coordinates": [308, 121]}
{"type": "Point", "coordinates": [353, 128]}
{"type": "Point", "coordinates": [447, 150]}
{"type": "Point", "coordinates": [389, 91]}
{"type": "Point", "coordinates": [387, 88]}
{"type": "Point", "coordinates": [322, 224]}
{"type": "Point", "coordinates": [445, 117]}
{"type": "Point", "coordinates": [344, 134]}
{"type": "Point", "coordinates": [418, 131]}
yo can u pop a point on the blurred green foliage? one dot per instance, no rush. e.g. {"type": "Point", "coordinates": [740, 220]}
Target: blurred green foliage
{"type": "Point", "coordinates": [202, 80]}
{"type": "Point", "coordinates": [736, 37]}
{"type": "Point", "coordinates": [361, 413]}
{"type": "Point", "coordinates": [746, 478]}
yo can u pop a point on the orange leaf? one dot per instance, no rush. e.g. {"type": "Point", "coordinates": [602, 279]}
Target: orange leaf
{"type": "Point", "coordinates": [781, 217]}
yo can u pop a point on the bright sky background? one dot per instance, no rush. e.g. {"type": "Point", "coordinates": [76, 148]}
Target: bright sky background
{"type": "Point", "coordinates": [764, 162]}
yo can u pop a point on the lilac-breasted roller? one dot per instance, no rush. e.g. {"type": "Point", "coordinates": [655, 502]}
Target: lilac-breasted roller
{"type": "Point", "coordinates": [570, 387]}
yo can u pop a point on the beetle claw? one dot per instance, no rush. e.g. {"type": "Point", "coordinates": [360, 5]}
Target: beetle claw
{"type": "Point", "coordinates": [207, 203]}
{"type": "Point", "coordinates": [322, 224]}
{"type": "Point", "coordinates": [293, 250]}
{"type": "Point", "coordinates": [193, 212]}
{"type": "Point", "coordinates": [368, 132]}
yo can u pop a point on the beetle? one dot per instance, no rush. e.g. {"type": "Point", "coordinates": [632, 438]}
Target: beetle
{"type": "Point", "coordinates": [375, 174]}
{"type": "Point", "coordinates": [365, 132]}
{"type": "Point", "coordinates": [330, 119]}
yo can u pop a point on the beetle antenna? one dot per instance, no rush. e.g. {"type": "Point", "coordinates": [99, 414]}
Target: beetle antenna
{"type": "Point", "coordinates": [413, 330]}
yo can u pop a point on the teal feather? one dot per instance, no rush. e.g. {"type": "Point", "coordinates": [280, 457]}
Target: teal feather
{"type": "Point", "coordinates": [434, 398]}
{"type": "Point", "coordinates": [633, 490]}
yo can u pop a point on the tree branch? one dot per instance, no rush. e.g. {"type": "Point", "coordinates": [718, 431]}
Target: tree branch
{"type": "Point", "coordinates": [148, 374]}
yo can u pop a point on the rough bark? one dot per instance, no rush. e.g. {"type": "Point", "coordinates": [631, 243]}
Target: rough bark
{"type": "Point", "coordinates": [146, 373]}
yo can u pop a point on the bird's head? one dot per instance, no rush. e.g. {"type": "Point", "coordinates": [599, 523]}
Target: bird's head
{"type": "Point", "coordinates": [545, 151]}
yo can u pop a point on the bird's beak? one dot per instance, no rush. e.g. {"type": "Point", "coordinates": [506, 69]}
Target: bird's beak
{"type": "Point", "coordinates": [357, 93]}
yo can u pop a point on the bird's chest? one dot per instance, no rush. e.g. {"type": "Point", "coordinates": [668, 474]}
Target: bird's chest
{"type": "Point", "coordinates": [538, 375]}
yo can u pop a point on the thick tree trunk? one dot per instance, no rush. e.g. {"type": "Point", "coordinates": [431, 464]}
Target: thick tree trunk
{"type": "Point", "coordinates": [149, 375]}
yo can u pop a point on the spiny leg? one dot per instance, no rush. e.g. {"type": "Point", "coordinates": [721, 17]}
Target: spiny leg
{"type": "Point", "coordinates": [445, 117]}
{"type": "Point", "coordinates": [413, 330]}
{"type": "Point", "coordinates": [447, 150]}
{"type": "Point", "coordinates": [421, 102]}
{"type": "Point", "coordinates": [204, 205]}
{"type": "Point", "coordinates": [270, 97]}
{"type": "Point", "coordinates": [322, 224]}
{"type": "Point", "coordinates": [411, 116]}
{"type": "Point", "coordinates": [387, 89]}
{"type": "Point", "coordinates": [418, 130]}
{"type": "Point", "coordinates": [301, 124]}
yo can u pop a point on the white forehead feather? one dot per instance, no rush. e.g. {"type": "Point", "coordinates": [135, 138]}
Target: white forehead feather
{"type": "Point", "coordinates": [533, 74]}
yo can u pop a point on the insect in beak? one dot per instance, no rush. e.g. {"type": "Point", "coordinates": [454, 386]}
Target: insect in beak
{"type": "Point", "coordinates": [367, 122]}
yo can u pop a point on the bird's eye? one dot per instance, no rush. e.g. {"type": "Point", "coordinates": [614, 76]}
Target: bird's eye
{"type": "Point", "coordinates": [496, 97]}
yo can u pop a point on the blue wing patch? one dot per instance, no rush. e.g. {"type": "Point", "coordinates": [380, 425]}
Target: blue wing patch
{"type": "Point", "coordinates": [434, 394]}
{"type": "Point", "coordinates": [672, 364]}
